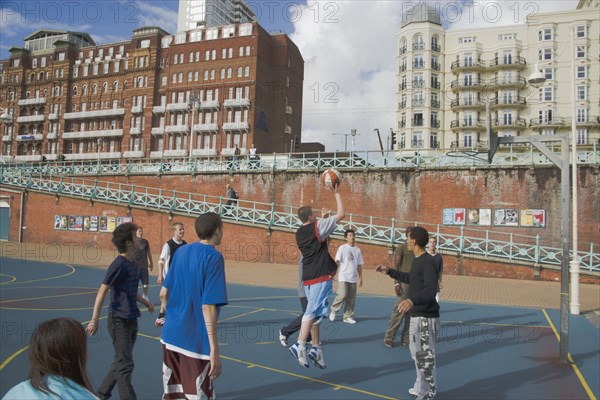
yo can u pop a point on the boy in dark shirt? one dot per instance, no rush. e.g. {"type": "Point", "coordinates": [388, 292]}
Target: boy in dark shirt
{"type": "Point", "coordinates": [424, 311]}
{"type": "Point", "coordinates": [122, 279]}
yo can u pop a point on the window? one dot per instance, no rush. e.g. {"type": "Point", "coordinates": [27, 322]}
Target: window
{"type": "Point", "coordinates": [418, 43]}
{"type": "Point", "coordinates": [214, 54]}
{"type": "Point", "coordinates": [548, 73]}
{"type": "Point", "coordinates": [223, 54]}
{"type": "Point", "coordinates": [247, 71]}
{"type": "Point", "coordinates": [417, 119]}
{"type": "Point", "coordinates": [241, 51]}
{"type": "Point", "coordinates": [175, 59]}
{"type": "Point", "coordinates": [581, 73]}
{"type": "Point", "coordinates": [545, 116]}
{"type": "Point", "coordinates": [417, 139]}
{"type": "Point", "coordinates": [191, 57]}
{"type": "Point", "coordinates": [239, 72]}
{"type": "Point", "coordinates": [582, 114]}
{"type": "Point", "coordinates": [245, 29]}
{"type": "Point", "coordinates": [418, 99]}
{"type": "Point", "coordinates": [247, 51]}
{"type": "Point", "coordinates": [75, 71]}
{"type": "Point", "coordinates": [582, 136]}
{"type": "Point", "coordinates": [508, 57]}
{"type": "Point", "coordinates": [34, 63]}
{"type": "Point", "coordinates": [228, 31]}
{"type": "Point", "coordinates": [468, 80]}
{"type": "Point", "coordinates": [433, 140]}
{"type": "Point", "coordinates": [418, 62]}
{"type": "Point", "coordinates": [547, 94]}
{"type": "Point", "coordinates": [181, 58]}
{"type": "Point", "coordinates": [174, 78]}
{"type": "Point", "coordinates": [163, 81]}
{"type": "Point", "coordinates": [545, 54]}
{"type": "Point", "coordinates": [507, 118]}
{"type": "Point", "coordinates": [545, 34]}
{"type": "Point", "coordinates": [581, 51]}
{"type": "Point", "coordinates": [581, 93]}
{"type": "Point", "coordinates": [105, 68]}
{"type": "Point", "coordinates": [581, 31]}
{"type": "Point", "coordinates": [468, 139]}
{"type": "Point", "coordinates": [469, 39]}
{"type": "Point", "coordinates": [468, 60]}
{"type": "Point", "coordinates": [212, 33]}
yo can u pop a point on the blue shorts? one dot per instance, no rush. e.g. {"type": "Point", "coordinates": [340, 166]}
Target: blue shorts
{"type": "Point", "coordinates": [317, 296]}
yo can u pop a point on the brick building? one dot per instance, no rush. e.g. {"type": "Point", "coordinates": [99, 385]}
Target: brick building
{"type": "Point", "coordinates": [197, 93]}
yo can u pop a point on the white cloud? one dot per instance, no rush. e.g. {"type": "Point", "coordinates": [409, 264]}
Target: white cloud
{"type": "Point", "coordinates": [152, 15]}
{"type": "Point", "coordinates": [353, 61]}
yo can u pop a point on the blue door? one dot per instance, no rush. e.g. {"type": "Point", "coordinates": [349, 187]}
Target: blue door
{"type": "Point", "coordinates": [4, 220]}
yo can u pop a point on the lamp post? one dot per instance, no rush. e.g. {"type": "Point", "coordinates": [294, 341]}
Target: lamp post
{"type": "Point", "coordinates": [575, 260]}
{"type": "Point", "coordinates": [345, 139]}
{"type": "Point", "coordinates": [193, 102]}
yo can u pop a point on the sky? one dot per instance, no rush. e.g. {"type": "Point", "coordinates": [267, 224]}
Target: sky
{"type": "Point", "coordinates": [349, 47]}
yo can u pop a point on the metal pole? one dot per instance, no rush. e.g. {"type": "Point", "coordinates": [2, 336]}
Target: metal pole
{"type": "Point", "coordinates": [564, 271]}
{"type": "Point", "coordinates": [575, 261]}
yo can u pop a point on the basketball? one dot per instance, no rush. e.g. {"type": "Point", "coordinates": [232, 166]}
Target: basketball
{"type": "Point", "coordinates": [331, 178]}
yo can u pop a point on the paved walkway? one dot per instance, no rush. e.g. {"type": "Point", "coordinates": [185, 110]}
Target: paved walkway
{"type": "Point", "coordinates": [463, 289]}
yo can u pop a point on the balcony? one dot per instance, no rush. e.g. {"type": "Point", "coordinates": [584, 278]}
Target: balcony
{"type": "Point", "coordinates": [435, 85]}
{"type": "Point", "coordinates": [93, 156]}
{"type": "Point", "coordinates": [435, 103]}
{"type": "Point", "coordinates": [480, 144]}
{"type": "Point", "coordinates": [135, 130]}
{"type": "Point", "coordinates": [515, 82]}
{"type": "Point", "coordinates": [591, 122]}
{"type": "Point", "coordinates": [403, 86]}
{"type": "Point", "coordinates": [516, 102]}
{"type": "Point", "coordinates": [235, 126]}
{"type": "Point", "coordinates": [53, 116]}
{"type": "Point", "coordinates": [136, 109]}
{"type": "Point", "coordinates": [93, 134]}
{"type": "Point", "coordinates": [418, 83]}
{"type": "Point", "coordinates": [464, 65]}
{"type": "Point", "coordinates": [555, 122]}
{"type": "Point", "coordinates": [177, 107]}
{"type": "Point", "coordinates": [513, 63]}
{"type": "Point", "coordinates": [28, 158]}
{"type": "Point", "coordinates": [416, 144]}
{"type": "Point", "coordinates": [51, 157]}
{"type": "Point", "coordinates": [157, 130]}
{"type": "Point", "coordinates": [402, 68]}
{"type": "Point", "coordinates": [31, 102]}
{"type": "Point", "coordinates": [204, 152]}
{"type": "Point", "coordinates": [206, 127]}
{"type": "Point", "coordinates": [435, 123]}
{"type": "Point", "coordinates": [30, 138]}
{"type": "Point", "coordinates": [210, 104]}
{"type": "Point", "coordinates": [159, 109]}
{"type": "Point", "coordinates": [418, 65]}
{"type": "Point", "coordinates": [464, 124]}
{"type": "Point", "coordinates": [435, 66]}
{"type": "Point", "coordinates": [52, 135]}
{"type": "Point", "coordinates": [458, 85]}
{"type": "Point", "coordinates": [402, 105]}
{"type": "Point", "coordinates": [436, 47]}
{"type": "Point", "coordinates": [95, 114]}
{"type": "Point", "coordinates": [237, 103]}
{"type": "Point", "coordinates": [418, 122]}
{"type": "Point", "coordinates": [418, 46]}
{"type": "Point", "coordinates": [418, 102]}
{"type": "Point", "coordinates": [466, 103]}
{"type": "Point", "coordinates": [177, 129]}
{"type": "Point", "coordinates": [133, 154]}
{"type": "Point", "coordinates": [402, 50]}
{"type": "Point", "coordinates": [518, 123]}
{"type": "Point", "coordinates": [31, 118]}
{"type": "Point", "coordinates": [7, 138]}
{"type": "Point", "coordinates": [228, 151]}
{"type": "Point", "coordinates": [175, 153]}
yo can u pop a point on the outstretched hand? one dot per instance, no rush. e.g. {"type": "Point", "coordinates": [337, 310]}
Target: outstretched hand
{"type": "Point", "coordinates": [382, 268]}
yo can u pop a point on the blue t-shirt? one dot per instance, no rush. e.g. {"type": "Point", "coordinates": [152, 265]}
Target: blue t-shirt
{"type": "Point", "coordinates": [196, 277]}
{"type": "Point", "coordinates": [64, 387]}
{"type": "Point", "coordinates": [123, 277]}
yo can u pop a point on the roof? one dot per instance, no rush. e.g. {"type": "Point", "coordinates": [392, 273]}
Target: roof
{"type": "Point", "coordinates": [421, 12]}
{"type": "Point", "coordinates": [44, 32]}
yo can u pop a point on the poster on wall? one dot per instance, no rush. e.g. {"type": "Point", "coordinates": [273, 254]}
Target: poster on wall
{"type": "Point", "coordinates": [533, 218]}
{"type": "Point", "coordinates": [75, 222]}
{"type": "Point", "coordinates": [60, 222]}
{"type": "Point", "coordinates": [111, 224]}
{"type": "Point", "coordinates": [103, 224]}
{"type": "Point", "coordinates": [86, 223]}
{"type": "Point", "coordinates": [124, 220]}
{"type": "Point", "coordinates": [506, 217]}
{"type": "Point", "coordinates": [479, 216]}
{"type": "Point", "coordinates": [93, 223]}
{"type": "Point", "coordinates": [453, 216]}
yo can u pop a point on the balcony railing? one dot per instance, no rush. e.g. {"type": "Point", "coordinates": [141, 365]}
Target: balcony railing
{"type": "Point", "coordinates": [418, 122]}
{"type": "Point", "coordinates": [30, 102]}
{"type": "Point", "coordinates": [136, 109]}
{"type": "Point", "coordinates": [418, 65]}
{"type": "Point", "coordinates": [513, 61]}
{"type": "Point", "coordinates": [416, 144]}
{"type": "Point", "coordinates": [206, 127]}
{"type": "Point", "coordinates": [135, 130]}
{"type": "Point", "coordinates": [94, 114]}
{"type": "Point", "coordinates": [177, 107]}
{"type": "Point", "coordinates": [435, 103]}
{"type": "Point", "coordinates": [513, 81]}
{"type": "Point", "coordinates": [418, 46]}
{"type": "Point", "coordinates": [31, 118]}
{"type": "Point", "coordinates": [539, 122]}
{"type": "Point", "coordinates": [435, 123]}
{"type": "Point", "coordinates": [402, 50]}
{"type": "Point", "coordinates": [436, 66]}
{"type": "Point", "coordinates": [463, 64]}
{"type": "Point", "coordinates": [436, 47]}
{"type": "Point", "coordinates": [237, 103]}
{"type": "Point", "coordinates": [235, 126]}
{"type": "Point", "coordinates": [93, 134]}
{"type": "Point", "coordinates": [418, 102]}
{"type": "Point", "coordinates": [53, 116]}
{"type": "Point", "coordinates": [212, 104]}
{"type": "Point", "coordinates": [466, 103]}
{"type": "Point", "coordinates": [516, 122]}
{"type": "Point", "coordinates": [177, 129]}
{"type": "Point", "coordinates": [159, 109]}
{"type": "Point", "coordinates": [508, 101]}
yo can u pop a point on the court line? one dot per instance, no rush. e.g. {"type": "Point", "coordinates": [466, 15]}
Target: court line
{"type": "Point", "coordinates": [73, 269]}
{"type": "Point", "coordinates": [444, 322]}
{"type": "Point", "coordinates": [14, 278]}
{"type": "Point", "coordinates": [47, 297]}
{"type": "Point", "coordinates": [584, 383]}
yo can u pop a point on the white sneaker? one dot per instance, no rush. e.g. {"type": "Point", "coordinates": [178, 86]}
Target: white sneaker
{"type": "Point", "coordinates": [282, 339]}
{"type": "Point", "coordinates": [349, 320]}
{"type": "Point", "coordinates": [412, 392]}
{"type": "Point", "coordinates": [332, 316]}
{"type": "Point", "coordinates": [316, 355]}
{"type": "Point", "coordinates": [299, 354]}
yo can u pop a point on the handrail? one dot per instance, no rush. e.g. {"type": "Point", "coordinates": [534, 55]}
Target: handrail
{"type": "Point", "coordinates": [375, 230]}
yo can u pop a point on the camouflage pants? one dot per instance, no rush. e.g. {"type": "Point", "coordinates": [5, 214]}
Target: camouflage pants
{"type": "Point", "coordinates": [423, 332]}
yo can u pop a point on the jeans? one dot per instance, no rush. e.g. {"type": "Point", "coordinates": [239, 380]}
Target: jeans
{"type": "Point", "coordinates": [123, 333]}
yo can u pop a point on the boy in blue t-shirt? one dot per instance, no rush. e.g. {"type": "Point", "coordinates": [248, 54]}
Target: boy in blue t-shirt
{"type": "Point", "coordinates": [193, 291]}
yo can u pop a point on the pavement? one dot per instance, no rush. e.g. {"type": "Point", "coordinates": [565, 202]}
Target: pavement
{"type": "Point", "coordinates": [462, 289]}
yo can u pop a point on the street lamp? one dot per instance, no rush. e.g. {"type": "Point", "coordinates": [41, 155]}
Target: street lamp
{"type": "Point", "coordinates": [345, 139]}
{"type": "Point", "coordinates": [193, 103]}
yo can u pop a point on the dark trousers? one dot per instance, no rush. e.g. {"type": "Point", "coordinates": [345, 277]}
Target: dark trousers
{"type": "Point", "coordinates": [295, 325]}
{"type": "Point", "coordinates": [123, 333]}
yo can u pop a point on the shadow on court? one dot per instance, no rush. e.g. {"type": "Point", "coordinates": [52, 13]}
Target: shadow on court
{"type": "Point", "coordinates": [483, 352]}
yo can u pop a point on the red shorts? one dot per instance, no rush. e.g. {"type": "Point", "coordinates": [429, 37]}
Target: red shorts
{"type": "Point", "coordinates": [185, 375]}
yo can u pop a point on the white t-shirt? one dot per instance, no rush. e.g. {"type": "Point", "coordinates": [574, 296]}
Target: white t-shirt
{"type": "Point", "coordinates": [349, 257]}
{"type": "Point", "coordinates": [165, 254]}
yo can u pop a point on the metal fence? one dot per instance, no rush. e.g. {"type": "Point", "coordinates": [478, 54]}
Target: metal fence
{"type": "Point", "coordinates": [460, 240]}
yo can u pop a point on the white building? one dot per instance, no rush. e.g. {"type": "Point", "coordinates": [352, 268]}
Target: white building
{"type": "Point", "coordinates": [210, 13]}
{"type": "Point", "coordinates": [445, 76]}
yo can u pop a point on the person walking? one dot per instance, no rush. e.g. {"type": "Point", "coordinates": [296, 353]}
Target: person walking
{"type": "Point", "coordinates": [424, 312]}
{"type": "Point", "coordinates": [166, 255]}
{"type": "Point", "coordinates": [403, 258]}
{"type": "Point", "coordinates": [194, 291]}
{"type": "Point", "coordinates": [122, 279]}
{"type": "Point", "coordinates": [143, 258]}
{"type": "Point", "coordinates": [318, 269]}
{"type": "Point", "coordinates": [296, 323]}
{"type": "Point", "coordinates": [350, 263]}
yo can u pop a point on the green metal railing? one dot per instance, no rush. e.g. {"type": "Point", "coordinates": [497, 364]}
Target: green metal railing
{"type": "Point", "coordinates": [460, 240]}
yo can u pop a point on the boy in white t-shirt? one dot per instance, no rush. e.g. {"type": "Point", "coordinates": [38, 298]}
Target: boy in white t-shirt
{"type": "Point", "coordinates": [166, 255]}
{"type": "Point", "coordinates": [350, 263]}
